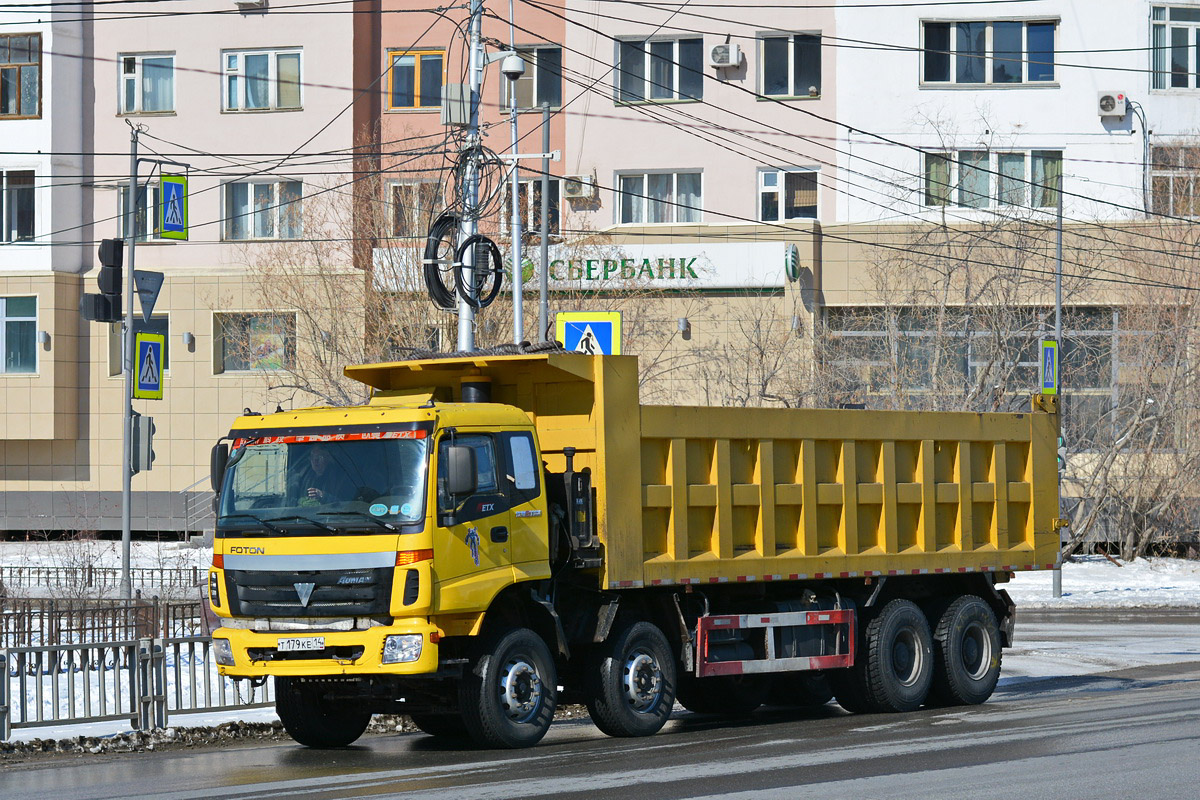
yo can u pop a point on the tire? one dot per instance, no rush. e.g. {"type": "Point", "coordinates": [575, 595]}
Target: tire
{"type": "Point", "coordinates": [312, 720]}
{"type": "Point", "coordinates": [508, 697]}
{"type": "Point", "coordinates": [898, 657]}
{"type": "Point", "coordinates": [800, 690]}
{"type": "Point", "coordinates": [967, 653]}
{"type": "Point", "coordinates": [726, 695]}
{"type": "Point", "coordinates": [633, 682]}
{"type": "Point", "coordinates": [445, 726]}
{"type": "Point", "coordinates": [850, 690]}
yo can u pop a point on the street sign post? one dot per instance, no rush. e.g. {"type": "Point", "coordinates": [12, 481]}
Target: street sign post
{"type": "Point", "coordinates": [173, 216]}
{"type": "Point", "coordinates": [1048, 367]}
{"type": "Point", "coordinates": [147, 366]}
{"type": "Point", "coordinates": [593, 332]}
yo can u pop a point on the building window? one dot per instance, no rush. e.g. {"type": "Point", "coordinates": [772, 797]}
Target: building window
{"type": "Point", "coordinates": [147, 212]}
{"type": "Point", "coordinates": [251, 342]}
{"type": "Point", "coordinates": [416, 79]}
{"type": "Point", "coordinates": [529, 198]}
{"type": "Point", "coordinates": [659, 70]}
{"type": "Point", "coordinates": [18, 334]}
{"type": "Point", "coordinates": [984, 179]}
{"type": "Point", "coordinates": [157, 324]}
{"type": "Point", "coordinates": [20, 75]}
{"type": "Point", "coordinates": [1175, 47]}
{"type": "Point", "coordinates": [1174, 170]}
{"type": "Point", "coordinates": [787, 194]}
{"type": "Point", "coordinates": [988, 52]}
{"type": "Point", "coordinates": [541, 83]}
{"type": "Point", "coordinates": [659, 197]}
{"type": "Point", "coordinates": [16, 205]}
{"type": "Point", "coordinates": [414, 206]}
{"type": "Point", "coordinates": [263, 210]}
{"type": "Point", "coordinates": [147, 83]}
{"type": "Point", "coordinates": [791, 65]}
{"type": "Point", "coordinates": [262, 80]}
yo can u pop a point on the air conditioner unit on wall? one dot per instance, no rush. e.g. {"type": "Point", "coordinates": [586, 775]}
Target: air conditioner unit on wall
{"type": "Point", "coordinates": [579, 187]}
{"type": "Point", "coordinates": [1112, 104]}
{"type": "Point", "coordinates": [725, 55]}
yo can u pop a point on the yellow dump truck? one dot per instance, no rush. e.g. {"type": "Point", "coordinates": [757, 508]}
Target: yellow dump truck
{"type": "Point", "coordinates": [492, 534]}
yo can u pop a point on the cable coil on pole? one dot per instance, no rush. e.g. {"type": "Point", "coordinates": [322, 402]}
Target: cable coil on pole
{"type": "Point", "coordinates": [436, 264]}
{"type": "Point", "coordinates": [488, 264]}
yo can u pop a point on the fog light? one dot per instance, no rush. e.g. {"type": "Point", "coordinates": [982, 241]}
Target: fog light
{"type": "Point", "coordinates": [402, 649]}
{"type": "Point", "coordinates": [214, 590]}
{"type": "Point", "coordinates": [223, 651]}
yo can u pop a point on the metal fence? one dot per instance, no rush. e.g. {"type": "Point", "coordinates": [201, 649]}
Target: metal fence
{"type": "Point", "coordinates": [91, 581]}
{"type": "Point", "coordinates": [144, 681]}
{"type": "Point", "coordinates": [44, 621]}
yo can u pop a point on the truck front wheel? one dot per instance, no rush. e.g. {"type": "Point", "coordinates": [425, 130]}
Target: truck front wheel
{"type": "Point", "coordinates": [314, 721]}
{"type": "Point", "coordinates": [966, 653]}
{"type": "Point", "coordinates": [633, 682]}
{"type": "Point", "coordinates": [508, 697]}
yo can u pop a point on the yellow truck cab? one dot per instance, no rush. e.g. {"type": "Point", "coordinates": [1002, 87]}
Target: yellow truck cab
{"type": "Point", "coordinates": [490, 528]}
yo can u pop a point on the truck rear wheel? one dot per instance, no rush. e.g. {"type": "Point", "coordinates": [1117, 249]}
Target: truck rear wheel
{"type": "Point", "coordinates": [508, 696]}
{"type": "Point", "coordinates": [727, 695]}
{"type": "Point", "coordinates": [633, 679]}
{"type": "Point", "coordinates": [447, 726]}
{"type": "Point", "coordinates": [899, 657]}
{"type": "Point", "coordinates": [966, 653]}
{"type": "Point", "coordinates": [314, 721]}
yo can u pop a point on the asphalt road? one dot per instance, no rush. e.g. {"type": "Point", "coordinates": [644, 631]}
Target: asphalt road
{"type": "Point", "coordinates": [1129, 733]}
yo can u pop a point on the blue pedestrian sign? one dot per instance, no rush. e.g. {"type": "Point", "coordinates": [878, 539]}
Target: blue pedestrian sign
{"type": "Point", "coordinates": [1048, 367]}
{"type": "Point", "coordinates": [147, 365]}
{"type": "Point", "coordinates": [596, 333]}
{"type": "Point", "coordinates": [173, 216]}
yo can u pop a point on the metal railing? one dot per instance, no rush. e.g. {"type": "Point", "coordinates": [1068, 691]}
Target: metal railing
{"type": "Point", "coordinates": [89, 580]}
{"type": "Point", "coordinates": [45, 621]}
{"type": "Point", "coordinates": [197, 506]}
{"type": "Point", "coordinates": [143, 681]}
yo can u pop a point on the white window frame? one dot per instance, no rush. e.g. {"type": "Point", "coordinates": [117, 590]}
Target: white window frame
{"type": "Point", "coordinates": [150, 208]}
{"type": "Point", "coordinates": [989, 52]}
{"type": "Point", "coordinates": [647, 62]}
{"type": "Point", "coordinates": [645, 197]}
{"type": "Point", "coordinates": [777, 190]}
{"type": "Point", "coordinates": [1161, 74]}
{"type": "Point", "coordinates": [1182, 179]}
{"type": "Point", "coordinates": [123, 78]}
{"type": "Point", "coordinates": [528, 211]}
{"type": "Point", "coordinates": [532, 56]}
{"type": "Point", "coordinates": [239, 72]}
{"type": "Point", "coordinates": [6, 210]}
{"type": "Point", "coordinates": [275, 208]}
{"type": "Point", "coordinates": [993, 176]}
{"type": "Point", "coordinates": [793, 92]}
{"type": "Point", "coordinates": [4, 320]}
{"type": "Point", "coordinates": [392, 188]}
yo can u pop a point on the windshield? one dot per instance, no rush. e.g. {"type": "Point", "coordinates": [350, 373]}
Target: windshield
{"type": "Point", "coordinates": [281, 480]}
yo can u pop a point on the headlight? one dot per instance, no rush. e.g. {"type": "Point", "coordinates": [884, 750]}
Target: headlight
{"type": "Point", "coordinates": [214, 590]}
{"type": "Point", "coordinates": [223, 652]}
{"type": "Point", "coordinates": [402, 648]}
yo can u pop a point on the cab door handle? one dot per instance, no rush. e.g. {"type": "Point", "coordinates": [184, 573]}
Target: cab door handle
{"type": "Point", "coordinates": [500, 534]}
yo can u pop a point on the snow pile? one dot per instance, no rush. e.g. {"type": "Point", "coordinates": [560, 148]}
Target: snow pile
{"type": "Point", "coordinates": [1096, 582]}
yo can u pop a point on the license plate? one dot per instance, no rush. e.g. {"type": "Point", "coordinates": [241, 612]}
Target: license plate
{"type": "Point", "coordinates": [307, 643]}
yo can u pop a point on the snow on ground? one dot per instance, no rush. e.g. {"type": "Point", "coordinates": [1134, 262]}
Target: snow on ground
{"type": "Point", "coordinates": [104, 553]}
{"type": "Point", "coordinates": [1096, 582]}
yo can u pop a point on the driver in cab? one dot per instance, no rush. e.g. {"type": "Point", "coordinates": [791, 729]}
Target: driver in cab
{"type": "Point", "coordinates": [320, 480]}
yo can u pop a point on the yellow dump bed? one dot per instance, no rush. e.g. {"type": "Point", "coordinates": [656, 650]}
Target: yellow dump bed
{"type": "Point", "coordinates": [703, 495]}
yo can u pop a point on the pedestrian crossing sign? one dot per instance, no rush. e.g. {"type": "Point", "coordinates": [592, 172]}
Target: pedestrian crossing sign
{"type": "Point", "coordinates": [147, 365]}
{"type": "Point", "coordinates": [595, 333]}
{"type": "Point", "coordinates": [172, 222]}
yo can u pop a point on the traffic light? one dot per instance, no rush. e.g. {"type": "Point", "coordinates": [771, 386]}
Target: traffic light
{"type": "Point", "coordinates": [106, 306]}
{"type": "Point", "coordinates": [143, 443]}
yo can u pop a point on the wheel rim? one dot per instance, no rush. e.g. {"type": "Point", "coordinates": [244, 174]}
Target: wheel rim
{"type": "Point", "coordinates": [642, 681]}
{"type": "Point", "coordinates": [907, 657]}
{"type": "Point", "coordinates": [976, 649]}
{"type": "Point", "coordinates": [520, 690]}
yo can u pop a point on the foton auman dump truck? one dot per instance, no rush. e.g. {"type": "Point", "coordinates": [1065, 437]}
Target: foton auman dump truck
{"type": "Point", "coordinates": [494, 534]}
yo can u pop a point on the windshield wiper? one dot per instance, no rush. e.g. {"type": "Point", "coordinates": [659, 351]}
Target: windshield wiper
{"type": "Point", "coordinates": [259, 520]}
{"type": "Point", "coordinates": [309, 520]}
{"type": "Point", "coordinates": [360, 515]}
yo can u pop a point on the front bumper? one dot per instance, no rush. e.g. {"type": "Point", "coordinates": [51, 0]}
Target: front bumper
{"type": "Point", "coordinates": [346, 652]}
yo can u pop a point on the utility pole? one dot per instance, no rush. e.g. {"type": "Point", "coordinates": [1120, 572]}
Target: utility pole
{"type": "Point", "coordinates": [470, 223]}
{"type": "Point", "coordinates": [518, 289]}
{"type": "Point", "coordinates": [544, 275]}
{"type": "Point", "coordinates": [1058, 338]}
{"type": "Point", "coordinates": [127, 369]}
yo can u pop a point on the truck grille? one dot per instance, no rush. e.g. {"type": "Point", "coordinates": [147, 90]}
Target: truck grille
{"type": "Point", "coordinates": [345, 593]}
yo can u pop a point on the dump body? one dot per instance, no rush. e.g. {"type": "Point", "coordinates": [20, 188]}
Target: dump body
{"type": "Point", "coordinates": [690, 495]}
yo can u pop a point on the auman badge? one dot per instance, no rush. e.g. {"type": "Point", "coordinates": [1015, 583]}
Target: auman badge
{"type": "Point", "coordinates": [473, 543]}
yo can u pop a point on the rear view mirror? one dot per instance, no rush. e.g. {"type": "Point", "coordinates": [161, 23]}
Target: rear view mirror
{"type": "Point", "coordinates": [218, 460]}
{"type": "Point", "coordinates": [460, 470]}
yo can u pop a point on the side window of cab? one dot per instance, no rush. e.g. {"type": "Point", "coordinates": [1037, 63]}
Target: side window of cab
{"type": "Point", "coordinates": [489, 497]}
{"type": "Point", "coordinates": [522, 470]}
